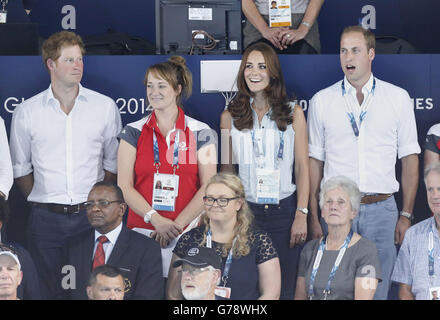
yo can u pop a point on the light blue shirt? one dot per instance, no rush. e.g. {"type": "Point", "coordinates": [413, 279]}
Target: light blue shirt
{"type": "Point", "coordinates": [243, 155]}
{"type": "Point", "coordinates": [411, 266]}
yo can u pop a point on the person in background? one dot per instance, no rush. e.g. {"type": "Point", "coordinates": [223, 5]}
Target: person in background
{"type": "Point", "coordinates": [6, 175]}
{"type": "Point", "coordinates": [267, 136]}
{"type": "Point", "coordinates": [170, 147]}
{"type": "Point", "coordinates": [63, 140]}
{"type": "Point", "coordinates": [417, 269]}
{"type": "Point", "coordinates": [358, 127]}
{"type": "Point", "coordinates": [250, 265]}
{"type": "Point", "coordinates": [342, 265]}
{"type": "Point", "coordinates": [10, 274]}
{"type": "Point", "coordinates": [432, 146]}
{"type": "Point", "coordinates": [302, 37]}
{"type": "Point", "coordinates": [110, 242]}
{"type": "Point", "coordinates": [201, 273]}
{"type": "Point", "coordinates": [29, 288]}
{"type": "Point", "coordinates": [106, 283]}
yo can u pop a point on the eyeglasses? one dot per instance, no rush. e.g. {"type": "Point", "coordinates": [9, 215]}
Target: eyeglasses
{"type": "Point", "coordinates": [193, 271]}
{"type": "Point", "coordinates": [221, 202]}
{"type": "Point", "coordinates": [101, 203]}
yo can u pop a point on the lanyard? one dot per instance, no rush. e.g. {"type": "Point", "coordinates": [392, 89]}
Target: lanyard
{"type": "Point", "coordinates": [335, 266]}
{"type": "Point", "coordinates": [175, 154]}
{"type": "Point", "coordinates": [431, 255]}
{"type": "Point", "coordinates": [364, 109]}
{"type": "Point", "coordinates": [4, 4]}
{"type": "Point", "coordinates": [228, 259]}
{"type": "Point", "coordinates": [259, 150]}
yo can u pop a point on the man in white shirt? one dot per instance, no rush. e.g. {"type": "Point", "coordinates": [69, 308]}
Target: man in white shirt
{"type": "Point", "coordinates": [6, 177]}
{"type": "Point", "coordinates": [63, 140]}
{"type": "Point", "coordinates": [357, 128]}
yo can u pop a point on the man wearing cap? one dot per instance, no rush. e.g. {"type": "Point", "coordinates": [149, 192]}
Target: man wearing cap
{"type": "Point", "coordinates": [10, 275]}
{"type": "Point", "coordinates": [201, 273]}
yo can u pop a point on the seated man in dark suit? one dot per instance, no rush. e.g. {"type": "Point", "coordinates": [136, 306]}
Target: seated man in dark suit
{"type": "Point", "coordinates": [110, 242]}
{"type": "Point", "coordinates": [106, 283]}
{"type": "Point", "coordinates": [29, 288]}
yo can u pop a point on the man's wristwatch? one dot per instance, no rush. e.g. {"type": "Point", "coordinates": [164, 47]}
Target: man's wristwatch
{"type": "Point", "coordinates": [407, 215]}
{"type": "Point", "coordinates": [303, 210]}
{"type": "Point", "coordinates": [148, 215]}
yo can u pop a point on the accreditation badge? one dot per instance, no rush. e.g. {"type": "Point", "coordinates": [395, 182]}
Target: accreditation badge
{"type": "Point", "coordinates": [268, 186]}
{"type": "Point", "coordinates": [223, 292]}
{"type": "Point", "coordinates": [3, 15]}
{"type": "Point", "coordinates": [165, 191]}
{"type": "Point", "coordinates": [280, 13]}
{"type": "Point", "coordinates": [434, 293]}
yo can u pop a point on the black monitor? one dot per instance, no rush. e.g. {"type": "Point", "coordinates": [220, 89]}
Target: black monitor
{"type": "Point", "coordinates": [198, 27]}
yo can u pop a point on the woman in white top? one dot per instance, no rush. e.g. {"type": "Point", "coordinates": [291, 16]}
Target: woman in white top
{"type": "Point", "coordinates": [266, 133]}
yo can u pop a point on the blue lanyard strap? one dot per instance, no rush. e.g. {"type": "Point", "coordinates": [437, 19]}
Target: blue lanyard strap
{"type": "Point", "coordinates": [228, 259]}
{"type": "Point", "coordinates": [335, 266]}
{"type": "Point", "coordinates": [175, 153]}
{"type": "Point", "coordinates": [363, 113]}
{"type": "Point", "coordinates": [431, 253]}
{"type": "Point", "coordinates": [259, 153]}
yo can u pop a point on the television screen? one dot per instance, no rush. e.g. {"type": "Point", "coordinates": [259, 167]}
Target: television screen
{"type": "Point", "coordinates": [198, 27]}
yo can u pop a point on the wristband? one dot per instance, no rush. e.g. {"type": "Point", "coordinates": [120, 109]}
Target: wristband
{"type": "Point", "coordinates": [148, 215]}
{"type": "Point", "coordinates": [407, 215]}
{"type": "Point", "coordinates": [306, 24]}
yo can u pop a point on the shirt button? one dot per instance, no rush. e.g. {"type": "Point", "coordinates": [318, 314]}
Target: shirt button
{"type": "Point", "coordinates": [266, 207]}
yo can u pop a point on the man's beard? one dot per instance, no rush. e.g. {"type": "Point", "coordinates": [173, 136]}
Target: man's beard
{"type": "Point", "coordinates": [196, 293]}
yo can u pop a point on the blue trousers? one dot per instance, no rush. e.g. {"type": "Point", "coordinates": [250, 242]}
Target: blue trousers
{"type": "Point", "coordinates": [277, 221]}
{"type": "Point", "coordinates": [377, 223]}
{"type": "Point", "coordinates": [47, 236]}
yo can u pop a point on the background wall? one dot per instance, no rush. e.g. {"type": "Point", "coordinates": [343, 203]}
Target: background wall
{"type": "Point", "coordinates": [415, 21]}
{"type": "Point", "coordinates": [121, 77]}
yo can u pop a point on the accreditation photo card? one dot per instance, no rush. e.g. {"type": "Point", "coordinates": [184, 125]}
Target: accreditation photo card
{"type": "Point", "coordinates": [280, 13]}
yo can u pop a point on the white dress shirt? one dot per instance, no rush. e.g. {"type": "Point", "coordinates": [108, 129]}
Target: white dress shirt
{"type": "Point", "coordinates": [6, 177]}
{"type": "Point", "coordinates": [387, 131]}
{"type": "Point", "coordinates": [66, 153]}
{"type": "Point", "coordinates": [108, 246]}
{"type": "Point", "coordinates": [244, 156]}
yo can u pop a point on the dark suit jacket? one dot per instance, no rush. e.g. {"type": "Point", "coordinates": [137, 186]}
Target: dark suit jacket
{"type": "Point", "coordinates": [138, 257]}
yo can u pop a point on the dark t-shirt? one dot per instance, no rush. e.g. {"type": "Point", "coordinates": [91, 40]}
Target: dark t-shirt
{"type": "Point", "coordinates": [243, 274]}
{"type": "Point", "coordinates": [360, 260]}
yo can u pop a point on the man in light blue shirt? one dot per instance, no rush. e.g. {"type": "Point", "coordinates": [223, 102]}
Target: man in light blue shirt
{"type": "Point", "coordinates": [417, 268]}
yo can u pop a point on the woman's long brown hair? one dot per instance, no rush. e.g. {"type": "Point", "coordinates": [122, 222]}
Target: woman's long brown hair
{"type": "Point", "coordinates": [275, 92]}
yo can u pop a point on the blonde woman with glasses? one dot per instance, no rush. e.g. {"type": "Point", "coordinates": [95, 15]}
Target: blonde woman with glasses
{"type": "Point", "coordinates": [250, 265]}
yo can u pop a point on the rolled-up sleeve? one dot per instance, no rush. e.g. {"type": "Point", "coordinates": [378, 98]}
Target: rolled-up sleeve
{"type": "Point", "coordinates": [407, 143]}
{"type": "Point", "coordinates": [6, 176]}
{"type": "Point", "coordinates": [316, 130]}
{"type": "Point", "coordinates": [113, 129]}
{"type": "Point", "coordinates": [20, 141]}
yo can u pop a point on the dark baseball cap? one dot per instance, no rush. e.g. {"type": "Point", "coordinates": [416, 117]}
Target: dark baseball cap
{"type": "Point", "coordinates": [200, 257]}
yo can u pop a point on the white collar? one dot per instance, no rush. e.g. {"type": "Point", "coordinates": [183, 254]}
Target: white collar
{"type": "Point", "coordinates": [112, 236]}
{"type": "Point", "coordinates": [368, 87]}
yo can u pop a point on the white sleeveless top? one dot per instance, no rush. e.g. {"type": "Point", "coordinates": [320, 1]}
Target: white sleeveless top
{"type": "Point", "coordinates": [243, 155]}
